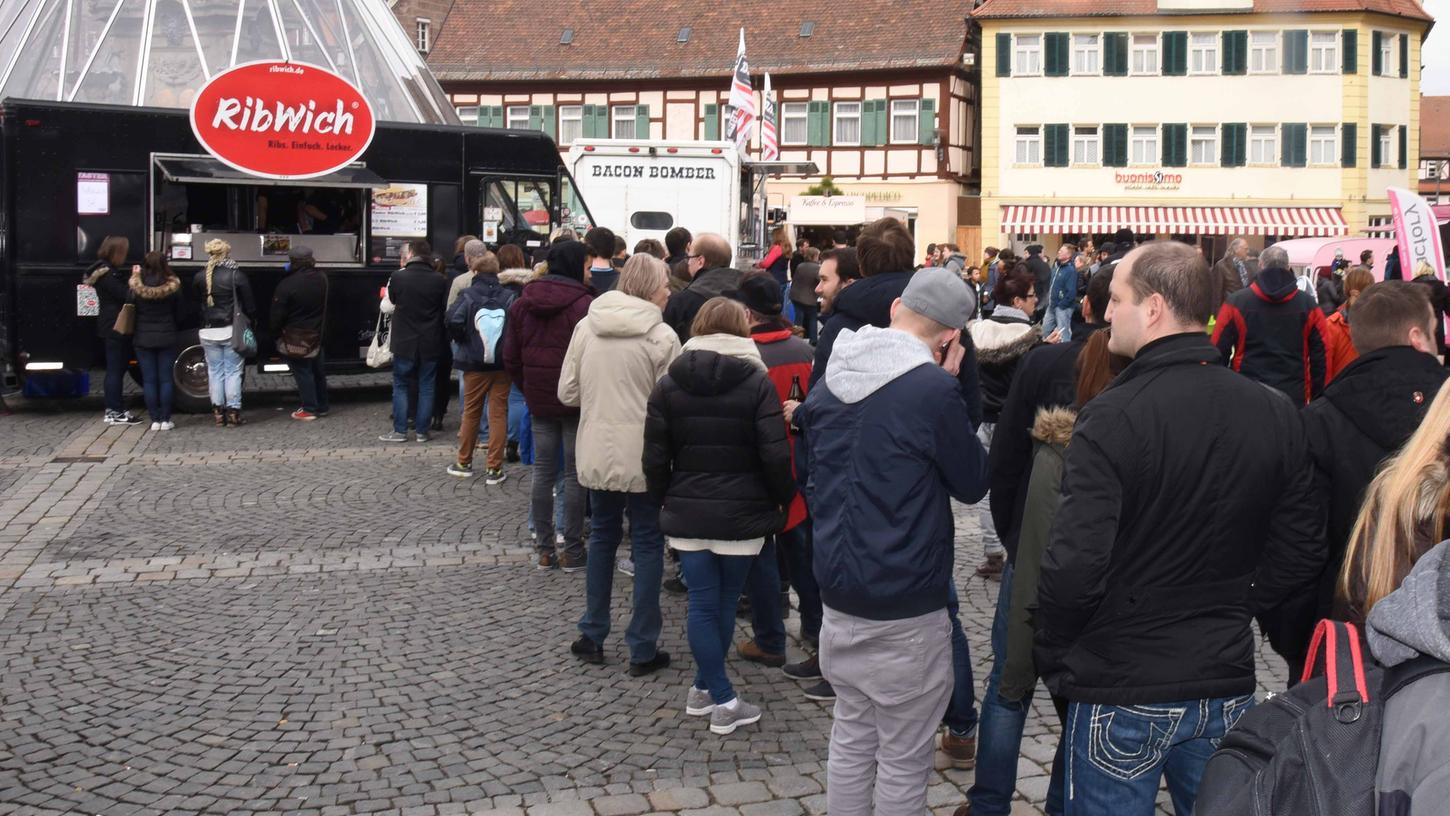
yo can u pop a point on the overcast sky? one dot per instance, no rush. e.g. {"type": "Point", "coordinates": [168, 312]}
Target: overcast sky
{"type": "Point", "coordinates": [1435, 78]}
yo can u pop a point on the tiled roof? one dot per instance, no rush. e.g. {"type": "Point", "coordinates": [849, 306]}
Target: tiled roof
{"type": "Point", "coordinates": [504, 40]}
{"type": "Point", "coordinates": [998, 9]}
{"type": "Point", "coordinates": [1435, 127]}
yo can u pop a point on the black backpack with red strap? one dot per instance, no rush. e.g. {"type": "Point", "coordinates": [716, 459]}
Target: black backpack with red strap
{"type": "Point", "coordinates": [1313, 749]}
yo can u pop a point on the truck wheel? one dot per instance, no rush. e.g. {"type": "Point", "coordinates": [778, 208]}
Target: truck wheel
{"type": "Point", "coordinates": [193, 396]}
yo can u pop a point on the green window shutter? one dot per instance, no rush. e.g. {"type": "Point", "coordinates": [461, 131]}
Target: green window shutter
{"type": "Point", "coordinates": [869, 133]}
{"type": "Point", "coordinates": [1377, 67]}
{"type": "Point", "coordinates": [1235, 53]}
{"type": "Point", "coordinates": [548, 122]}
{"type": "Point", "coordinates": [1404, 56]}
{"type": "Point", "coordinates": [1004, 55]}
{"type": "Point", "coordinates": [1296, 52]}
{"type": "Point", "coordinates": [1115, 145]}
{"type": "Point", "coordinates": [1349, 46]}
{"type": "Point", "coordinates": [1404, 147]}
{"type": "Point", "coordinates": [1234, 152]}
{"type": "Point", "coordinates": [1175, 145]}
{"type": "Point", "coordinates": [480, 117]}
{"type": "Point", "coordinates": [1175, 53]}
{"type": "Point", "coordinates": [596, 117]}
{"type": "Point", "coordinates": [1293, 151]}
{"type": "Point", "coordinates": [641, 121]}
{"type": "Point", "coordinates": [1115, 53]}
{"type": "Point", "coordinates": [498, 117]}
{"type": "Point", "coordinates": [1375, 159]}
{"type": "Point", "coordinates": [712, 123]}
{"type": "Point", "coordinates": [818, 124]}
{"type": "Point", "coordinates": [536, 117]}
{"type": "Point", "coordinates": [1055, 55]}
{"type": "Point", "coordinates": [883, 122]}
{"type": "Point", "coordinates": [926, 127]}
{"type": "Point", "coordinates": [1055, 145]}
{"type": "Point", "coordinates": [1348, 144]}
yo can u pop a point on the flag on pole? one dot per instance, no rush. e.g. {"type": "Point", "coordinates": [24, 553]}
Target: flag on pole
{"type": "Point", "coordinates": [769, 138]}
{"type": "Point", "coordinates": [1416, 233]}
{"type": "Point", "coordinates": [742, 101]}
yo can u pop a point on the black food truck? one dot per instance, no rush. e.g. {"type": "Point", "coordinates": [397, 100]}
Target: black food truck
{"type": "Point", "coordinates": [71, 174]}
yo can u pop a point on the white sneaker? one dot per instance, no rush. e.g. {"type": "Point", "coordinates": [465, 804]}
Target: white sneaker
{"type": "Point", "coordinates": [726, 718]}
{"type": "Point", "coordinates": [626, 566]}
{"type": "Point", "coordinates": [167, 426]}
{"type": "Point", "coordinates": [698, 702]}
{"type": "Point", "coordinates": [156, 426]}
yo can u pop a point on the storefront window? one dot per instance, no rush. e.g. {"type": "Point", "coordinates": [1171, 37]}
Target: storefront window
{"type": "Point", "coordinates": [1145, 144]}
{"type": "Point", "coordinates": [1203, 53]}
{"type": "Point", "coordinates": [1087, 54]}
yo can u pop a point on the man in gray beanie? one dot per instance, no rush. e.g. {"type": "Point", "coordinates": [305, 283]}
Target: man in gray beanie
{"type": "Point", "coordinates": [885, 446]}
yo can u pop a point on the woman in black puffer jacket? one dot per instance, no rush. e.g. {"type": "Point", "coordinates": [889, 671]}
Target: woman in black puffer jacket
{"type": "Point", "coordinates": [716, 457]}
{"type": "Point", "coordinates": [160, 311]}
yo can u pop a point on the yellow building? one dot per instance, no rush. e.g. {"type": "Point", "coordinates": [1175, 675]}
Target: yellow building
{"type": "Point", "coordinates": [1196, 119]}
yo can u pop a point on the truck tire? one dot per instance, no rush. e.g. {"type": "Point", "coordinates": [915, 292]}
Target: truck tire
{"type": "Point", "coordinates": [188, 375]}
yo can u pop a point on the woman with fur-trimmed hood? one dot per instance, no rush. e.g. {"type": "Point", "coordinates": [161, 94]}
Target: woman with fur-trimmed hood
{"type": "Point", "coordinates": [1002, 340]}
{"type": "Point", "coordinates": [155, 292]}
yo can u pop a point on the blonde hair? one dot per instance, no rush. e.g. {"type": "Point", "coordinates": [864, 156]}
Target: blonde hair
{"type": "Point", "coordinates": [720, 315]}
{"type": "Point", "coordinates": [1404, 512]}
{"type": "Point", "coordinates": [217, 251]}
{"type": "Point", "coordinates": [643, 275]}
{"type": "Point", "coordinates": [1424, 268]}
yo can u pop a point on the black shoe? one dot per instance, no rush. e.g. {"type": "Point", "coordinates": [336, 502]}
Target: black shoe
{"type": "Point", "coordinates": [659, 661]}
{"type": "Point", "coordinates": [589, 651]}
{"type": "Point", "coordinates": [742, 608]}
{"type": "Point", "coordinates": [676, 586]}
{"type": "Point", "coordinates": [821, 691]}
{"type": "Point", "coordinates": [808, 669]}
{"type": "Point", "coordinates": [511, 452]}
{"type": "Point", "coordinates": [437, 423]}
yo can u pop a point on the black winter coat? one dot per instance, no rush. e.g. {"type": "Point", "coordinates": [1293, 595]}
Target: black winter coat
{"type": "Point", "coordinates": [160, 312]}
{"type": "Point", "coordinates": [418, 293]}
{"type": "Point", "coordinates": [685, 304]}
{"type": "Point", "coordinates": [998, 358]}
{"type": "Point", "coordinates": [112, 288]}
{"type": "Point", "coordinates": [715, 450]}
{"type": "Point", "coordinates": [1187, 506]}
{"type": "Point", "coordinates": [299, 302]}
{"type": "Point", "coordinates": [227, 281]}
{"type": "Point", "coordinates": [1440, 302]}
{"type": "Point", "coordinates": [1042, 273]}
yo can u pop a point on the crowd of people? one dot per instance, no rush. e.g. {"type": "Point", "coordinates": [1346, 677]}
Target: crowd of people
{"type": "Point", "coordinates": [1170, 450]}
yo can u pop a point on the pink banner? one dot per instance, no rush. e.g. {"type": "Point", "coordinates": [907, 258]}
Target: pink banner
{"type": "Point", "coordinates": [1416, 233]}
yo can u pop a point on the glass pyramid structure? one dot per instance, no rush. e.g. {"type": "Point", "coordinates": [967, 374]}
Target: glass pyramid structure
{"type": "Point", "coordinates": [160, 52]}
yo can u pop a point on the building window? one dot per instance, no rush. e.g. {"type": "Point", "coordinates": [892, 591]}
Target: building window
{"type": "Point", "coordinates": [623, 122]}
{"type": "Point", "coordinates": [424, 35]}
{"type": "Point", "coordinates": [518, 117]}
{"type": "Point", "coordinates": [571, 123]}
{"type": "Point", "coordinates": [1386, 145]}
{"type": "Point", "coordinates": [1085, 145]}
{"type": "Point", "coordinates": [1322, 147]}
{"type": "Point", "coordinates": [1145, 54]}
{"type": "Point", "coordinates": [1029, 145]}
{"type": "Point", "coordinates": [726, 111]}
{"type": "Point", "coordinates": [1028, 60]}
{"type": "Point", "coordinates": [467, 115]}
{"type": "Point", "coordinates": [848, 124]}
{"type": "Point", "coordinates": [1263, 145]}
{"type": "Point", "coordinates": [794, 123]}
{"type": "Point", "coordinates": [1087, 54]}
{"type": "Point", "coordinates": [1203, 52]}
{"type": "Point", "coordinates": [1145, 144]}
{"type": "Point", "coordinates": [1387, 53]}
{"type": "Point", "coordinates": [1263, 52]}
{"type": "Point", "coordinates": [1203, 144]}
{"type": "Point", "coordinates": [1324, 52]}
{"type": "Point", "coordinates": [905, 122]}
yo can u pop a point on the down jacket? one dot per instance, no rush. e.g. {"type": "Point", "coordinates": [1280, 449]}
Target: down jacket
{"type": "Point", "coordinates": [160, 311]}
{"type": "Point", "coordinates": [1001, 342]}
{"type": "Point", "coordinates": [618, 353]}
{"type": "Point", "coordinates": [536, 337]}
{"type": "Point", "coordinates": [715, 449]}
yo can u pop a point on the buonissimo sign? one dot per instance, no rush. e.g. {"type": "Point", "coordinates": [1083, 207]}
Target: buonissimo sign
{"type": "Point", "coordinates": [282, 120]}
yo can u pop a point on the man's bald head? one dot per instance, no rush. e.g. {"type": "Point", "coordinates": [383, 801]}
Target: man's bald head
{"type": "Point", "coordinates": [713, 249]}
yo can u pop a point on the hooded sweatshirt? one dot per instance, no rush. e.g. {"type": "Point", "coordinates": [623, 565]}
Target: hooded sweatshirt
{"type": "Point", "coordinates": [1273, 332]}
{"type": "Point", "coordinates": [885, 446]}
{"type": "Point", "coordinates": [1413, 778]}
{"type": "Point", "coordinates": [540, 324]}
{"type": "Point", "coordinates": [618, 353]}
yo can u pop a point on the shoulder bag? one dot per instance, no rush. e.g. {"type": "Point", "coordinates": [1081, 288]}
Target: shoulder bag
{"type": "Point", "coordinates": [244, 342]}
{"type": "Point", "coordinates": [304, 344]}
{"type": "Point", "coordinates": [380, 348]}
{"type": "Point", "coordinates": [126, 318]}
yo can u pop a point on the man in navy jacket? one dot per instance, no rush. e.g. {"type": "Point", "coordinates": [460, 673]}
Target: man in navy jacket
{"type": "Point", "coordinates": [887, 443]}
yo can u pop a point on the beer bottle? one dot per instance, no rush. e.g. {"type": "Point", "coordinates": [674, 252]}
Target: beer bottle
{"type": "Point", "coordinates": [797, 393]}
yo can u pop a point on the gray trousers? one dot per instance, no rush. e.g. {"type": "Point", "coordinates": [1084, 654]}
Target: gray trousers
{"type": "Point", "coordinates": [893, 680]}
{"type": "Point", "coordinates": [548, 433]}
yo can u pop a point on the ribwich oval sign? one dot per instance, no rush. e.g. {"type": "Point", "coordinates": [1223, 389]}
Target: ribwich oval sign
{"type": "Point", "coordinates": [282, 120]}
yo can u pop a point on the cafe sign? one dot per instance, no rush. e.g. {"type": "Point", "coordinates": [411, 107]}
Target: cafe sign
{"type": "Point", "coordinates": [1153, 180]}
{"type": "Point", "coordinates": [843, 210]}
{"type": "Point", "coordinates": [282, 120]}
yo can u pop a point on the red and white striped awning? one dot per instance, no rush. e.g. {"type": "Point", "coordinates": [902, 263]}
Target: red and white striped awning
{"type": "Point", "coordinates": [1280, 221]}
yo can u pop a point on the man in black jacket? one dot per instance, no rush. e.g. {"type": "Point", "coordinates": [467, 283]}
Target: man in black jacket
{"type": "Point", "coordinates": [1166, 543]}
{"type": "Point", "coordinates": [297, 320]}
{"type": "Point", "coordinates": [1042, 272]}
{"type": "Point", "coordinates": [1365, 415]}
{"type": "Point", "coordinates": [418, 294]}
{"type": "Point", "coordinates": [1273, 332]}
{"type": "Point", "coordinates": [711, 276]}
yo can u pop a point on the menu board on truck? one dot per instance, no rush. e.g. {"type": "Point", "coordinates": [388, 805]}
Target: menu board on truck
{"type": "Point", "coordinates": [400, 211]}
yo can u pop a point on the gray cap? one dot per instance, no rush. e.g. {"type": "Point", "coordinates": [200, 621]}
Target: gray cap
{"type": "Point", "coordinates": [300, 253]}
{"type": "Point", "coordinates": [940, 294]}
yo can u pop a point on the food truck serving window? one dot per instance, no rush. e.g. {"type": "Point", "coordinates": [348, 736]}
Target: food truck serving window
{"type": "Point", "coordinates": [197, 198]}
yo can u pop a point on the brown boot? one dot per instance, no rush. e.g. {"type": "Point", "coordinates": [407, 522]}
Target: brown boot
{"type": "Point", "coordinates": [962, 751]}
{"type": "Point", "coordinates": [219, 416]}
{"type": "Point", "coordinates": [755, 654]}
{"type": "Point", "coordinates": [992, 568]}
{"type": "Point", "coordinates": [234, 416]}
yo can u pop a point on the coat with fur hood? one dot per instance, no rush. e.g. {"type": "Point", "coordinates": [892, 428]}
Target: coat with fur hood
{"type": "Point", "coordinates": [618, 352]}
{"type": "Point", "coordinates": [1001, 342]}
{"type": "Point", "coordinates": [160, 311]}
{"type": "Point", "coordinates": [1051, 433]}
{"type": "Point", "coordinates": [715, 449]}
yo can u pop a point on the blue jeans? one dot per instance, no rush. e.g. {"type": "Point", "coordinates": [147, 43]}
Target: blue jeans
{"type": "Point", "coordinates": [1117, 754]}
{"type": "Point", "coordinates": [311, 380]}
{"type": "Point", "coordinates": [999, 736]}
{"type": "Point", "coordinates": [223, 373]}
{"type": "Point", "coordinates": [808, 318]}
{"type": "Point", "coordinates": [605, 535]}
{"type": "Point", "coordinates": [961, 716]}
{"type": "Point", "coordinates": [798, 543]}
{"type": "Point", "coordinates": [762, 587]}
{"type": "Point", "coordinates": [118, 360]}
{"type": "Point", "coordinates": [427, 373]}
{"type": "Point", "coordinates": [714, 582]}
{"type": "Point", "coordinates": [517, 410]}
{"type": "Point", "coordinates": [1058, 317]}
{"type": "Point", "coordinates": [156, 381]}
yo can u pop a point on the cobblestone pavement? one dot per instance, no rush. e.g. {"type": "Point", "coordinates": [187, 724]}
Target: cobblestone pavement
{"type": "Point", "coordinates": [295, 618]}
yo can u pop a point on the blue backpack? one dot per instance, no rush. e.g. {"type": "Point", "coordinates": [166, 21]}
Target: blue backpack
{"type": "Point", "coordinates": [476, 324]}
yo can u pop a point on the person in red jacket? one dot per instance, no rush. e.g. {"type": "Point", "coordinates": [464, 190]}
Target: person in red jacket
{"type": "Point", "coordinates": [536, 337]}
{"type": "Point", "coordinates": [1272, 332]}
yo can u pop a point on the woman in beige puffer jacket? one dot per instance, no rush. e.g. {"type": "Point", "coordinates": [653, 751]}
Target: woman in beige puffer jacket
{"type": "Point", "coordinates": [617, 354]}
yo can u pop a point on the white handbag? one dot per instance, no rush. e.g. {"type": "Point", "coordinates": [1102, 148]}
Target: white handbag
{"type": "Point", "coordinates": [380, 350]}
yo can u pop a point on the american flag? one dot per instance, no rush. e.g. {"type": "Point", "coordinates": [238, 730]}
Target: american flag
{"type": "Point", "coordinates": [769, 141]}
{"type": "Point", "coordinates": [742, 100]}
